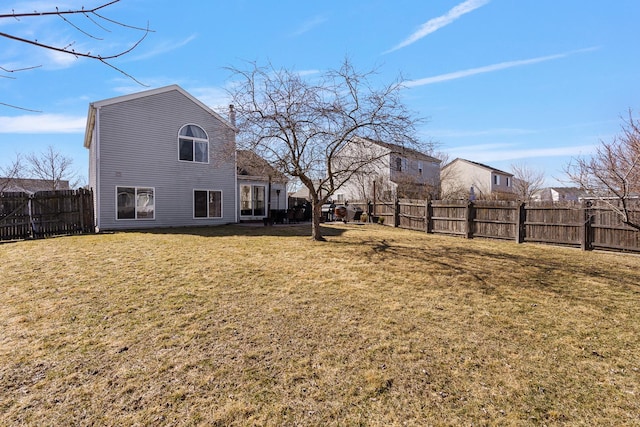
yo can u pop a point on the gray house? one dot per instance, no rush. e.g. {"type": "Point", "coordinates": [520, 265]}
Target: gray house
{"type": "Point", "coordinates": [160, 158]}
{"type": "Point", "coordinates": [260, 188]}
{"type": "Point", "coordinates": [390, 171]}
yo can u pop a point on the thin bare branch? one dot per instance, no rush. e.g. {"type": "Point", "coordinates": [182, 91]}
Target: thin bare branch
{"type": "Point", "coordinates": [612, 174]}
{"type": "Point", "coordinates": [301, 127]}
{"type": "Point", "coordinates": [95, 17]}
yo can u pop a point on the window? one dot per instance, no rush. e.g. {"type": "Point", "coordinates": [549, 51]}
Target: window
{"type": "Point", "coordinates": [420, 168]}
{"type": "Point", "coordinates": [496, 179]}
{"type": "Point", "coordinates": [193, 144]}
{"type": "Point", "coordinates": [135, 203]}
{"type": "Point", "coordinates": [402, 164]}
{"type": "Point", "coordinates": [207, 204]}
{"type": "Point", "coordinates": [508, 182]}
{"type": "Point", "coordinates": [252, 199]}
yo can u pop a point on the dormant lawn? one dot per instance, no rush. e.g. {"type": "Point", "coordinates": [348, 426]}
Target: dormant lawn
{"type": "Point", "coordinates": [263, 326]}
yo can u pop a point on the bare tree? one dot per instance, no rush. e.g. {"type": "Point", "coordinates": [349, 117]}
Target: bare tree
{"type": "Point", "coordinates": [52, 166]}
{"type": "Point", "coordinates": [300, 126]}
{"type": "Point", "coordinates": [612, 173]}
{"type": "Point", "coordinates": [526, 180]}
{"type": "Point", "coordinates": [94, 19]}
{"type": "Point", "coordinates": [10, 172]}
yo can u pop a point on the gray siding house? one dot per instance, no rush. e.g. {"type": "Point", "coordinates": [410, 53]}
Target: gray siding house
{"type": "Point", "coordinates": [160, 158]}
{"type": "Point", "coordinates": [260, 188]}
{"type": "Point", "coordinates": [391, 171]}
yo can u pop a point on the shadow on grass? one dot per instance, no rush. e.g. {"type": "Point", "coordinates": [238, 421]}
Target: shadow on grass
{"type": "Point", "coordinates": [279, 230]}
{"type": "Point", "coordinates": [538, 267]}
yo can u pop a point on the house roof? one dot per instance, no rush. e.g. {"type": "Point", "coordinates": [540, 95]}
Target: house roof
{"type": "Point", "coordinates": [569, 191]}
{"type": "Point", "coordinates": [492, 169]}
{"type": "Point", "coordinates": [124, 98]}
{"type": "Point", "coordinates": [250, 164]}
{"type": "Point", "coordinates": [406, 151]}
{"type": "Point", "coordinates": [28, 185]}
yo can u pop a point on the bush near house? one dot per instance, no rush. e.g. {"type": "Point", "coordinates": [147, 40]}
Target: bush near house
{"type": "Point", "coordinates": [262, 326]}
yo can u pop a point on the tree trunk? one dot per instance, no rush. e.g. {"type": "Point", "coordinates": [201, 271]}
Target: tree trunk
{"type": "Point", "coordinates": [315, 221]}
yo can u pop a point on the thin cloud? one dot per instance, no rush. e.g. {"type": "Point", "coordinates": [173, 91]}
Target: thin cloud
{"type": "Point", "coordinates": [305, 73]}
{"type": "Point", "coordinates": [164, 47]}
{"type": "Point", "coordinates": [499, 153]}
{"type": "Point", "coordinates": [454, 133]}
{"type": "Point", "coordinates": [215, 97]}
{"type": "Point", "coordinates": [42, 123]}
{"type": "Point", "coordinates": [491, 68]}
{"type": "Point", "coordinates": [309, 25]}
{"type": "Point", "coordinates": [435, 24]}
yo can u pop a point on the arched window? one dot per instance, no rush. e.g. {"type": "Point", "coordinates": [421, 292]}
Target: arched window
{"type": "Point", "coordinates": [193, 144]}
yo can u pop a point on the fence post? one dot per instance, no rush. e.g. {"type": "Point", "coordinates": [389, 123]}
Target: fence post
{"type": "Point", "coordinates": [586, 243]}
{"type": "Point", "coordinates": [80, 196]}
{"type": "Point", "coordinates": [470, 214]}
{"type": "Point", "coordinates": [428, 213]}
{"type": "Point", "coordinates": [521, 217]}
{"type": "Point", "coordinates": [396, 214]}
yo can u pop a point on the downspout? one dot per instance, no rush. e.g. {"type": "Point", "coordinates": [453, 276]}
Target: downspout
{"type": "Point", "coordinates": [232, 119]}
{"type": "Point", "coordinates": [97, 189]}
{"type": "Point", "coordinates": [236, 190]}
{"type": "Point", "coordinates": [269, 201]}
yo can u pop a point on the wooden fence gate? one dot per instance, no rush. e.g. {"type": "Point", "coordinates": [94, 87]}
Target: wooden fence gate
{"type": "Point", "coordinates": [45, 213]}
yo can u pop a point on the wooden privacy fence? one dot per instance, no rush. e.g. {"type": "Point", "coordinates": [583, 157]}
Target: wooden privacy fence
{"type": "Point", "coordinates": [45, 213]}
{"type": "Point", "coordinates": [588, 225]}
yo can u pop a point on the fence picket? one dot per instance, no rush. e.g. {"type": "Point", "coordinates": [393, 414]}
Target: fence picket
{"type": "Point", "coordinates": [593, 225]}
{"type": "Point", "coordinates": [45, 213]}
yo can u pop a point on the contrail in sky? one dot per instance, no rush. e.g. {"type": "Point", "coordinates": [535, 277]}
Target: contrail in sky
{"type": "Point", "coordinates": [441, 21]}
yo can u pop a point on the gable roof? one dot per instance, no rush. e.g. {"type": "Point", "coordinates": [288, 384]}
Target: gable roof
{"type": "Point", "coordinates": [28, 185]}
{"type": "Point", "coordinates": [250, 164]}
{"type": "Point", "coordinates": [406, 151]}
{"type": "Point", "coordinates": [482, 165]}
{"type": "Point", "coordinates": [124, 98]}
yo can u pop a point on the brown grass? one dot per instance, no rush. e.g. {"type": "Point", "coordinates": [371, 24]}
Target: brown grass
{"type": "Point", "coordinates": [262, 326]}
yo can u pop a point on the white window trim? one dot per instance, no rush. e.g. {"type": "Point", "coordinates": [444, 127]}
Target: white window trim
{"type": "Point", "coordinates": [193, 204]}
{"type": "Point", "coordinates": [135, 208]}
{"type": "Point", "coordinates": [252, 200]}
{"type": "Point", "coordinates": [194, 139]}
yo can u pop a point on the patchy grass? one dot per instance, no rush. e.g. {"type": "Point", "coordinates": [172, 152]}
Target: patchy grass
{"type": "Point", "coordinates": [262, 326]}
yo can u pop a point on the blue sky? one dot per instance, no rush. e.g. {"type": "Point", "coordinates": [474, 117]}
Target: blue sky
{"type": "Point", "coordinates": [532, 82]}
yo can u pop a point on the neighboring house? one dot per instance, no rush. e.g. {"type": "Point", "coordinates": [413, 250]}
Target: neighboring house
{"type": "Point", "coordinates": [260, 186]}
{"type": "Point", "coordinates": [559, 194]}
{"type": "Point", "coordinates": [467, 179]}
{"type": "Point", "coordinates": [393, 171]}
{"type": "Point", "coordinates": [160, 158]}
{"type": "Point", "coordinates": [27, 185]}
{"type": "Point", "coordinates": [302, 194]}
